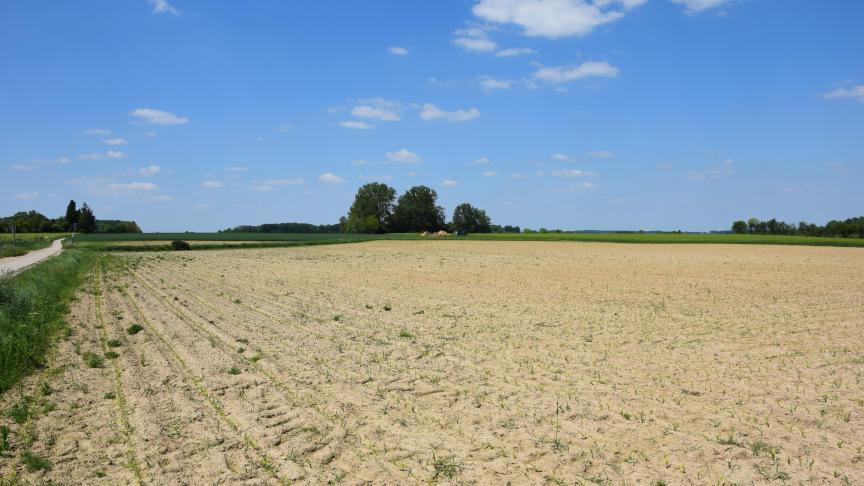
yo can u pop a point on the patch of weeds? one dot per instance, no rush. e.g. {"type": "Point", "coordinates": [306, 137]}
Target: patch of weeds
{"type": "Point", "coordinates": [19, 413]}
{"type": "Point", "coordinates": [369, 306]}
{"type": "Point", "coordinates": [404, 333]}
{"type": "Point", "coordinates": [728, 440]}
{"type": "Point", "coordinates": [110, 396]}
{"type": "Point", "coordinates": [692, 393]}
{"type": "Point", "coordinates": [337, 318]}
{"type": "Point", "coordinates": [241, 350]}
{"type": "Point", "coordinates": [111, 355]}
{"type": "Point", "coordinates": [234, 371]}
{"type": "Point", "coordinates": [48, 407]}
{"type": "Point", "coordinates": [626, 415]}
{"type": "Point", "coordinates": [446, 467]}
{"type": "Point", "coordinates": [134, 329]}
{"type": "Point", "coordinates": [242, 340]}
{"type": "Point", "coordinates": [554, 480]}
{"type": "Point", "coordinates": [237, 301]}
{"type": "Point", "coordinates": [93, 360]}
{"type": "Point", "coordinates": [420, 312]}
{"type": "Point", "coordinates": [4, 439]}
{"type": "Point", "coordinates": [589, 338]}
{"type": "Point", "coordinates": [100, 473]}
{"type": "Point", "coordinates": [115, 343]}
{"type": "Point", "coordinates": [256, 357]}
{"type": "Point", "coordinates": [387, 307]}
{"type": "Point", "coordinates": [45, 389]}
{"type": "Point", "coordinates": [35, 462]}
{"type": "Point", "coordinates": [660, 482]}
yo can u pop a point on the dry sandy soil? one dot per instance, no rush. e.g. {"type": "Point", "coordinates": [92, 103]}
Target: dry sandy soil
{"type": "Point", "coordinates": [459, 362]}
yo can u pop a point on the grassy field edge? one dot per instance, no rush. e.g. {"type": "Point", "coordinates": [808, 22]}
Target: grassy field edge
{"type": "Point", "coordinates": [33, 308]}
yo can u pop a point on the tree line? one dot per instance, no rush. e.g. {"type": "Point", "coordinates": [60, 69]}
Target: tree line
{"type": "Point", "coordinates": [376, 209]}
{"type": "Point", "coordinates": [849, 228]}
{"type": "Point", "coordinates": [81, 218]}
{"type": "Point", "coordinates": [285, 228]}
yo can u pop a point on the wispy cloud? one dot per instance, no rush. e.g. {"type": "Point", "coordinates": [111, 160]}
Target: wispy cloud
{"type": "Point", "coordinates": [855, 93]}
{"type": "Point", "coordinates": [404, 156]}
{"type": "Point", "coordinates": [212, 184]}
{"type": "Point", "coordinates": [377, 109]}
{"type": "Point", "coordinates": [563, 74]}
{"type": "Point", "coordinates": [97, 131]}
{"type": "Point", "coordinates": [397, 50]}
{"type": "Point", "coordinates": [601, 154]}
{"type": "Point", "coordinates": [488, 83]}
{"type": "Point", "coordinates": [432, 112]}
{"type": "Point", "coordinates": [110, 154]}
{"type": "Point", "coordinates": [697, 6]}
{"type": "Point", "coordinates": [449, 183]}
{"type": "Point", "coordinates": [554, 18]}
{"type": "Point", "coordinates": [568, 173]}
{"type": "Point", "coordinates": [162, 6]}
{"type": "Point", "coordinates": [330, 178]}
{"type": "Point", "coordinates": [561, 157]}
{"type": "Point", "coordinates": [474, 39]}
{"type": "Point", "coordinates": [356, 125]}
{"type": "Point", "coordinates": [158, 117]}
{"type": "Point", "coordinates": [284, 128]}
{"type": "Point", "coordinates": [115, 141]}
{"type": "Point", "coordinates": [490, 173]}
{"type": "Point", "coordinates": [269, 185]}
{"type": "Point", "coordinates": [512, 52]}
{"type": "Point", "coordinates": [481, 161]}
{"type": "Point", "coordinates": [236, 168]}
{"type": "Point", "coordinates": [23, 167]}
{"type": "Point", "coordinates": [133, 186]}
{"type": "Point", "coordinates": [150, 170]}
{"type": "Point", "coordinates": [26, 196]}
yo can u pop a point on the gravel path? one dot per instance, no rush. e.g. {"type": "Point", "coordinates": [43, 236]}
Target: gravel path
{"type": "Point", "coordinates": [13, 265]}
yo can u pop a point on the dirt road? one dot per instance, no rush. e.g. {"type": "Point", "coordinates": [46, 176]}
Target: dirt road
{"type": "Point", "coordinates": [13, 265]}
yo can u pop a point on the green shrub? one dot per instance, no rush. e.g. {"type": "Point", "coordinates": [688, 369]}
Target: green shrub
{"type": "Point", "coordinates": [179, 245]}
{"type": "Point", "coordinates": [134, 329]}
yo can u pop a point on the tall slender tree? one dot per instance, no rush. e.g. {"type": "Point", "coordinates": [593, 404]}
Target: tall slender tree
{"type": "Point", "coordinates": [71, 214]}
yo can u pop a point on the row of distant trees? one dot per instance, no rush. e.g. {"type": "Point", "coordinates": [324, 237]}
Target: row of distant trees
{"type": "Point", "coordinates": [285, 228]}
{"type": "Point", "coordinates": [377, 210]}
{"type": "Point", "coordinates": [850, 228]}
{"type": "Point", "coordinates": [36, 222]}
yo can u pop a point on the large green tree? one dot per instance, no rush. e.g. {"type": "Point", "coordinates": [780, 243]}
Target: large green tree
{"type": "Point", "coordinates": [417, 210]}
{"type": "Point", "coordinates": [739, 227]}
{"type": "Point", "coordinates": [86, 219]}
{"type": "Point", "coordinates": [372, 209]}
{"type": "Point", "coordinates": [71, 214]}
{"type": "Point", "coordinates": [470, 219]}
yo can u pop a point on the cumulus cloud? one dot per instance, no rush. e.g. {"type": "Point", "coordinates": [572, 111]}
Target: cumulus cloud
{"type": "Point", "coordinates": [696, 6]}
{"type": "Point", "coordinates": [397, 50]}
{"type": "Point", "coordinates": [561, 157]}
{"type": "Point", "coordinates": [855, 92]}
{"type": "Point", "coordinates": [115, 141]}
{"type": "Point", "coordinates": [158, 117]}
{"type": "Point", "coordinates": [515, 51]}
{"type": "Point", "coordinates": [490, 173]}
{"type": "Point", "coordinates": [330, 178]}
{"type": "Point", "coordinates": [488, 83]}
{"type": "Point", "coordinates": [377, 109]}
{"type": "Point", "coordinates": [563, 74]}
{"type": "Point", "coordinates": [63, 160]}
{"type": "Point", "coordinates": [356, 125]}
{"type": "Point", "coordinates": [449, 183]}
{"type": "Point", "coordinates": [162, 6]}
{"type": "Point", "coordinates": [150, 170]}
{"type": "Point", "coordinates": [26, 196]}
{"type": "Point", "coordinates": [554, 18]}
{"type": "Point", "coordinates": [573, 173]}
{"type": "Point", "coordinates": [133, 186]}
{"type": "Point", "coordinates": [404, 156]}
{"type": "Point", "coordinates": [474, 39]}
{"type": "Point", "coordinates": [432, 112]}
{"type": "Point", "coordinates": [211, 184]}
{"type": "Point", "coordinates": [110, 154]}
{"type": "Point", "coordinates": [481, 161]}
{"type": "Point", "coordinates": [97, 131]}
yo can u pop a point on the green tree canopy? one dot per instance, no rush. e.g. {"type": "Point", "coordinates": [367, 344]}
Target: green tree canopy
{"type": "Point", "coordinates": [86, 219]}
{"type": "Point", "coordinates": [416, 210]}
{"type": "Point", "coordinates": [739, 227]}
{"type": "Point", "coordinates": [71, 214]}
{"type": "Point", "coordinates": [372, 209]}
{"type": "Point", "coordinates": [470, 219]}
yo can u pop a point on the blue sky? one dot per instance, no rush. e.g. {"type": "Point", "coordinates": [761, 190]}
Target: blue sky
{"type": "Point", "coordinates": [573, 114]}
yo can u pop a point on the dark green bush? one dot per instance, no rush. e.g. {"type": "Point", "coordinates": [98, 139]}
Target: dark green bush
{"type": "Point", "coordinates": [179, 245]}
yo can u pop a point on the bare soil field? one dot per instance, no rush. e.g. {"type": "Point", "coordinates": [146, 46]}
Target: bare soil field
{"type": "Point", "coordinates": [456, 362]}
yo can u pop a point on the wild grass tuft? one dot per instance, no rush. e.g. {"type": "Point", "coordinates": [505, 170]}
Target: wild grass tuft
{"type": "Point", "coordinates": [93, 360]}
{"type": "Point", "coordinates": [35, 462]}
{"type": "Point", "coordinates": [134, 329]}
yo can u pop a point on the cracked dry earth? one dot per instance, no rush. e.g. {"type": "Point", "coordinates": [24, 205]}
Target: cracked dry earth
{"type": "Point", "coordinates": [457, 362]}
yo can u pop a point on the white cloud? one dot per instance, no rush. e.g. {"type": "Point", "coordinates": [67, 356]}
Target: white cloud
{"type": "Point", "coordinates": [404, 156]}
{"type": "Point", "coordinates": [236, 168]}
{"type": "Point", "coordinates": [161, 198]}
{"type": "Point", "coordinates": [150, 134]}
{"type": "Point", "coordinates": [158, 117]}
{"type": "Point", "coordinates": [260, 188]}
{"type": "Point", "coordinates": [150, 170]}
{"type": "Point", "coordinates": [490, 173]}
{"type": "Point", "coordinates": [97, 131]}
{"type": "Point", "coordinates": [397, 50]}
{"type": "Point", "coordinates": [63, 160]}
{"type": "Point", "coordinates": [512, 52]}
{"type": "Point", "coordinates": [481, 161]}
{"type": "Point", "coordinates": [855, 92]}
{"type": "Point", "coordinates": [449, 183]}
{"type": "Point", "coordinates": [23, 167]}
{"type": "Point", "coordinates": [489, 83]}
{"type": "Point", "coordinates": [356, 124]}
{"type": "Point", "coordinates": [573, 173]}
{"type": "Point", "coordinates": [162, 6]}
{"type": "Point", "coordinates": [696, 6]}
{"type": "Point", "coordinates": [601, 154]}
{"type": "Point", "coordinates": [432, 112]}
{"type": "Point", "coordinates": [563, 74]}
{"type": "Point", "coordinates": [115, 141]}
{"type": "Point", "coordinates": [517, 175]}
{"type": "Point", "coordinates": [561, 157]}
{"type": "Point", "coordinates": [474, 39]}
{"type": "Point", "coordinates": [269, 185]}
{"type": "Point", "coordinates": [554, 18]}
{"type": "Point", "coordinates": [584, 186]}
{"type": "Point", "coordinates": [284, 128]}
{"type": "Point", "coordinates": [211, 184]}
{"type": "Point", "coordinates": [110, 154]}
{"type": "Point", "coordinates": [330, 178]}
{"type": "Point", "coordinates": [378, 178]}
{"type": "Point", "coordinates": [26, 196]}
{"type": "Point", "coordinates": [134, 186]}
{"type": "Point", "coordinates": [377, 109]}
